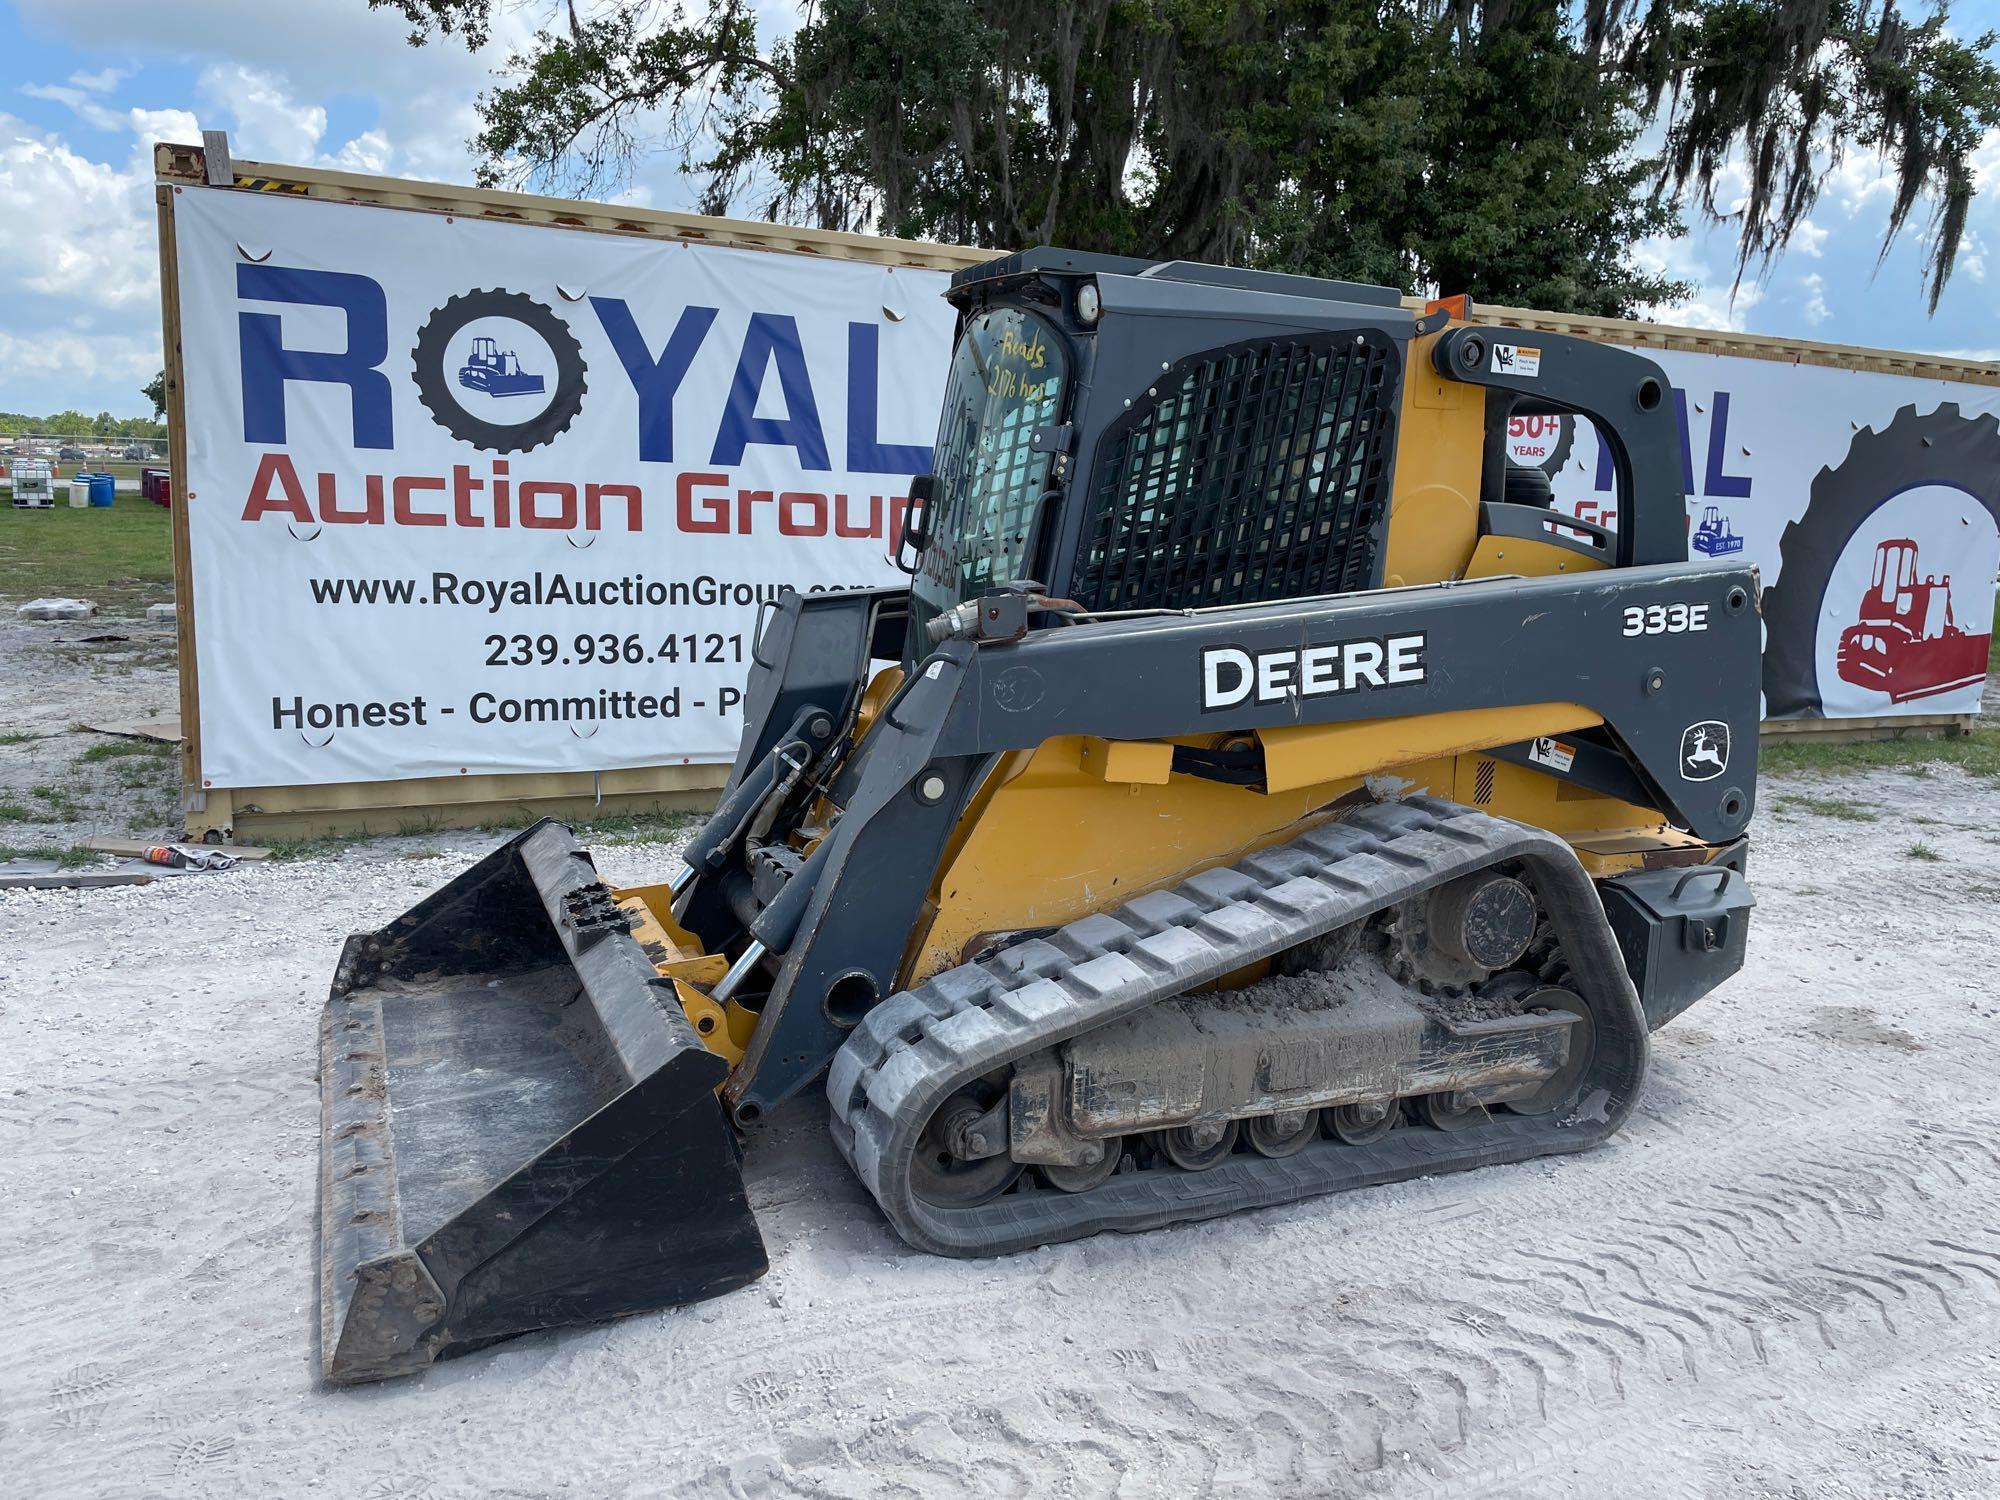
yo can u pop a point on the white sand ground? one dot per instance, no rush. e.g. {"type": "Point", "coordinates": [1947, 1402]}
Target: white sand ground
{"type": "Point", "coordinates": [1782, 1279]}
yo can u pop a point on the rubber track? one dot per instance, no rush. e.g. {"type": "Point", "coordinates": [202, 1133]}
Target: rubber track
{"type": "Point", "coordinates": [916, 1048]}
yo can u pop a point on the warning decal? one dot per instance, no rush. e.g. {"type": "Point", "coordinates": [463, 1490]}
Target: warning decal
{"type": "Point", "coordinates": [1552, 753]}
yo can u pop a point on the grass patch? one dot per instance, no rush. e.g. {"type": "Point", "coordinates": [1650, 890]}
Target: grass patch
{"type": "Point", "coordinates": [606, 832]}
{"type": "Point", "coordinates": [75, 857]}
{"type": "Point", "coordinates": [637, 828]}
{"type": "Point", "coordinates": [13, 812]}
{"type": "Point", "coordinates": [1922, 851]}
{"type": "Point", "coordinates": [1977, 754]}
{"type": "Point", "coordinates": [18, 737]}
{"type": "Point", "coordinates": [122, 558]}
{"type": "Point", "coordinates": [614, 828]}
{"type": "Point", "coordinates": [326, 846]}
{"type": "Point", "coordinates": [58, 801]}
{"type": "Point", "coordinates": [1829, 807]}
{"type": "Point", "coordinates": [118, 749]}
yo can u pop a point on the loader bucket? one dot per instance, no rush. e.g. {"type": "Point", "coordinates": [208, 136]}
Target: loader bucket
{"type": "Point", "coordinates": [519, 1129]}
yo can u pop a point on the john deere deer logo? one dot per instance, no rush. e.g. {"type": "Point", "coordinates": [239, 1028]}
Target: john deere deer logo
{"type": "Point", "coordinates": [1704, 750]}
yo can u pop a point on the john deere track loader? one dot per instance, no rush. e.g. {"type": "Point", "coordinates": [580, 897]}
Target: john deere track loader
{"type": "Point", "coordinates": [1257, 791]}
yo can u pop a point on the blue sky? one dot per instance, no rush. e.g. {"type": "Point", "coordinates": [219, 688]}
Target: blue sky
{"type": "Point", "coordinates": [90, 84]}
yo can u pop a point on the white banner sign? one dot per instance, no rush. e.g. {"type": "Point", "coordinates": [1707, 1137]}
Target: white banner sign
{"type": "Point", "coordinates": [469, 497]}
{"type": "Point", "coordinates": [1869, 503]}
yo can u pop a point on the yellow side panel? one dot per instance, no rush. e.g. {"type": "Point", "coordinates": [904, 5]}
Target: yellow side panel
{"type": "Point", "coordinates": [1530, 797]}
{"type": "Point", "coordinates": [1049, 840]}
{"type": "Point", "coordinates": [1434, 511]}
{"type": "Point", "coordinates": [1054, 842]}
{"type": "Point", "coordinates": [1298, 756]}
{"type": "Point", "coordinates": [1498, 556]}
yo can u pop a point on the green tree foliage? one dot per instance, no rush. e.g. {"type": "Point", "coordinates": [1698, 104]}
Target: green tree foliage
{"type": "Point", "coordinates": [1491, 146]}
{"type": "Point", "coordinates": [76, 424]}
{"type": "Point", "coordinates": [155, 391]}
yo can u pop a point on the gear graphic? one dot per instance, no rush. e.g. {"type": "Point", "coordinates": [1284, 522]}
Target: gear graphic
{"type": "Point", "coordinates": [434, 387]}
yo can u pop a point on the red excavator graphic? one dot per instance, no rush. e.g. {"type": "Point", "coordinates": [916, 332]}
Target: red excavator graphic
{"type": "Point", "coordinates": [1906, 642]}
{"type": "Point", "coordinates": [496, 371]}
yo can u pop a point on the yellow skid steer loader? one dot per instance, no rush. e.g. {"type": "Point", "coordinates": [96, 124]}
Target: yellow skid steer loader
{"type": "Point", "coordinates": [1257, 791]}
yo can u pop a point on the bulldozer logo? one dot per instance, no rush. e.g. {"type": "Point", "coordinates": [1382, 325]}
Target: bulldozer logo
{"type": "Point", "coordinates": [548, 383]}
{"type": "Point", "coordinates": [1852, 621]}
{"type": "Point", "coordinates": [1715, 537]}
{"type": "Point", "coordinates": [1906, 641]}
{"type": "Point", "coordinates": [1704, 750]}
{"type": "Point", "coordinates": [494, 371]}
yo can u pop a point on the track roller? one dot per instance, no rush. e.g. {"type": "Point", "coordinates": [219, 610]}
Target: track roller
{"type": "Point", "coordinates": [1083, 1179]}
{"type": "Point", "coordinates": [1361, 1124]}
{"type": "Point", "coordinates": [1284, 1134]}
{"type": "Point", "coordinates": [1196, 1147]}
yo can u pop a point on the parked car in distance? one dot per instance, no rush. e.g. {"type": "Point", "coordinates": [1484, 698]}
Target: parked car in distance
{"type": "Point", "coordinates": [138, 453]}
{"type": "Point", "coordinates": [72, 455]}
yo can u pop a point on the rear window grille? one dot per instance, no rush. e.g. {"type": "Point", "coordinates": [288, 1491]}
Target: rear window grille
{"type": "Point", "coordinates": [1257, 471]}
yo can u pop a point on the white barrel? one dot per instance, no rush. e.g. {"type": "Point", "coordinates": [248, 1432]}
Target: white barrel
{"type": "Point", "coordinates": [79, 494]}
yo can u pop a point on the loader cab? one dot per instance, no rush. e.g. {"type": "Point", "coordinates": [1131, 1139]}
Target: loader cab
{"type": "Point", "coordinates": [1131, 435]}
{"type": "Point", "coordinates": [987, 504]}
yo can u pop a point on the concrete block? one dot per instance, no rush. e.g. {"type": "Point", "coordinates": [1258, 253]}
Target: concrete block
{"type": "Point", "coordinates": [57, 609]}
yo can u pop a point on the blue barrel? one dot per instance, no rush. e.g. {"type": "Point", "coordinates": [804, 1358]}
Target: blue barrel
{"type": "Point", "coordinates": [103, 489]}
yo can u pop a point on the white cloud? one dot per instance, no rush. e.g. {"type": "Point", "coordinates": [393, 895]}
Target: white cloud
{"type": "Point", "coordinates": [103, 81]}
{"type": "Point", "coordinates": [78, 102]}
{"type": "Point", "coordinates": [368, 152]}
{"type": "Point", "coordinates": [1862, 177]}
{"type": "Point", "coordinates": [1816, 310]}
{"type": "Point", "coordinates": [1717, 303]}
{"type": "Point", "coordinates": [1714, 307]}
{"type": "Point", "coordinates": [258, 61]}
{"type": "Point", "coordinates": [265, 122]}
{"type": "Point", "coordinates": [153, 125]}
{"type": "Point", "coordinates": [72, 227]}
{"type": "Point", "coordinates": [75, 358]}
{"type": "Point", "coordinates": [1972, 256]}
{"type": "Point", "coordinates": [1809, 239]}
{"type": "Point", "coordinates": [1732, 185]}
